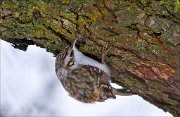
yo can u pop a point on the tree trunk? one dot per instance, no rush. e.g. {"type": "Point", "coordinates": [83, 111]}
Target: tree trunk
{"type": "Point", "coordinates": [144, 36]}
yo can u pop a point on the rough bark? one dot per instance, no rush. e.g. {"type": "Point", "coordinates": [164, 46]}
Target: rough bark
{"type": "Point", "coordinates": [144, 36]}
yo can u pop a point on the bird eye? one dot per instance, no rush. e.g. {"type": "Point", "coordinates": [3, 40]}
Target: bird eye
{"type": "Point", "coordinates": [71, 63]}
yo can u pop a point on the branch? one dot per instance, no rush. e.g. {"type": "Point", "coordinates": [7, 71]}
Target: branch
{"type": "Point", "coordinates": [143, 35]}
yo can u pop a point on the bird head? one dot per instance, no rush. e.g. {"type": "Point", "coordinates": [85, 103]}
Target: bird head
{"type": "Point", "coordinates": [65, 59]}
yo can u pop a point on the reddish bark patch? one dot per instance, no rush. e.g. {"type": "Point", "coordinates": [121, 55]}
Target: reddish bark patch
{"type": "Point", "coordinates": [153, 70]}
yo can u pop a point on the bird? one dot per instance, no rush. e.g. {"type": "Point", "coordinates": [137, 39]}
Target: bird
{"type": "Point", "coordinates": [84, 78]}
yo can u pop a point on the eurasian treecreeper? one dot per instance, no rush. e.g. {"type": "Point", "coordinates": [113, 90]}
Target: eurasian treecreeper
{"type": "Point", "coordinates": [84, 78]}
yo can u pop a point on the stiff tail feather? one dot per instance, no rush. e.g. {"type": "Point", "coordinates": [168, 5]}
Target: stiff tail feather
{"type": "Point", "coordinates": [122, 92]}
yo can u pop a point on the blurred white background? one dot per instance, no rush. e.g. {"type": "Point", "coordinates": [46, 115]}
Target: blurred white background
{"type": "Point", "coordinates": [29, 87]}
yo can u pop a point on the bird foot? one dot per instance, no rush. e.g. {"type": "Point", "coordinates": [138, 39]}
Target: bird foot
{"type": "Point", "coordinates": [104, 52]}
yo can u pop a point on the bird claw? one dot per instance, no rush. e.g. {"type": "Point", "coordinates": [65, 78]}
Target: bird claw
{"type": "Point", "coordinates": [105, 50]}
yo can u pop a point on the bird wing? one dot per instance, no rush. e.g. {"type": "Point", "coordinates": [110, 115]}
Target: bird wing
{"type": "Point", "coordinates": [103, 81]}
{"type": "Point", "coordinates": [88, 84]}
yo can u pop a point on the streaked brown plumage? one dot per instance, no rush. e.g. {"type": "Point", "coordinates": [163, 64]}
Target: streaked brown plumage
{"type": "Point", "coordinates": [84, 82]}
{"type": "Point", "coordinates": [88, 84]}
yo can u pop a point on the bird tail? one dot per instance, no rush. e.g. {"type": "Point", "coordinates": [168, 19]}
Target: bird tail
{"type": "Point", "coordinates": [122, 92]}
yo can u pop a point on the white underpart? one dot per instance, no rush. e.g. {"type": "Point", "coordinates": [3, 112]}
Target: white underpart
{"type": "Point", "coordinates": [84, 60]}
{"type": "Point", "coordinates": [62, 73]}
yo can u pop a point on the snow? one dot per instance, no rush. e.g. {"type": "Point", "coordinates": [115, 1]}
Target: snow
{"type": "Point", "coordinates": [29, 87]}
